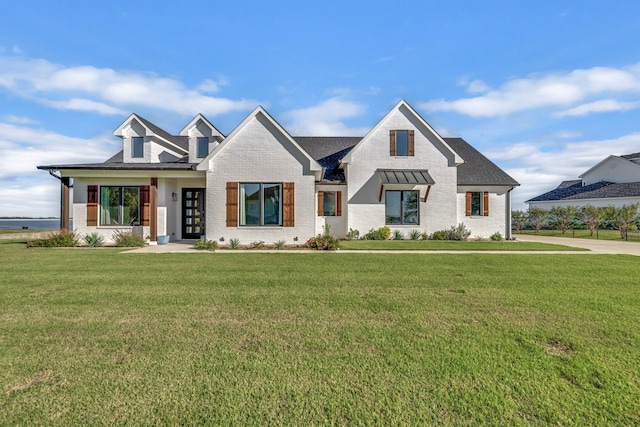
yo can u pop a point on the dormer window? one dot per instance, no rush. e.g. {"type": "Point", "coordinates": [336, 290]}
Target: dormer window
{"type": "Point", "coordinates": [202, 147]}
{"type": "Point", "coordinates": [137, 147]}
{"type": "Point", "coordinates": [401, 143]}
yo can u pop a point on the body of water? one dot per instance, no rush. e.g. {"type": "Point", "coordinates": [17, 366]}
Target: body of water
{"type": "Point", "coordinates": [31, 224]}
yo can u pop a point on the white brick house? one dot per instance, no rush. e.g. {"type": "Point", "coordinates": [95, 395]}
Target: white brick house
{"type": "Point", "coordinates": [260, 183]}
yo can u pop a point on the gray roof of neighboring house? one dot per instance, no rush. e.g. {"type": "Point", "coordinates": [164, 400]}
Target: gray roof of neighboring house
{"type": "Point", "coordinates": [598, 190]}
{"type": "Point", "coordinates": [477, 169]}
{"type": "Point", "coordinates": [632, 156]}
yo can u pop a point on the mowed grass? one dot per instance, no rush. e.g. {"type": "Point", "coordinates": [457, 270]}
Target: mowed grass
{"type": "Point", "coordinates": [448, 245]}
{"type": "Point", "coordinates": [101, 337]}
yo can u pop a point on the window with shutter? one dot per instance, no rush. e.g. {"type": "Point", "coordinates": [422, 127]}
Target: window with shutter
{"type": "Point", "coordinates": [477, 203]}
{"type": "Point", "coordinates": [401, 143]}
{"type": "Point", "coordinates": [329, 203]}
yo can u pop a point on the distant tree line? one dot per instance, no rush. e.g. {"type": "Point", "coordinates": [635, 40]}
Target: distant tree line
{"type": "Point", "coordinates": [563, 218]}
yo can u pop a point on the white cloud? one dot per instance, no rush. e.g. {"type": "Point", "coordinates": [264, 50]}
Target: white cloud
{"type": "Point", "coordinates": [108, 91]}
{"type": "Point", "coordinates": [325, 119]}
{"type": "Point", "coordinates": [602, 106]}
{"type": "Point", "coordinates": [11, 118]}
{"type": "Point", "coordinates": [540, 170]}
{"type": "Point", "coordinates": [552, 90]}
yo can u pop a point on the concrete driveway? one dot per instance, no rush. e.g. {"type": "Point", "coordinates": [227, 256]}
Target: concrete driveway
{"type": "Point", "coordinates": [596, 246]}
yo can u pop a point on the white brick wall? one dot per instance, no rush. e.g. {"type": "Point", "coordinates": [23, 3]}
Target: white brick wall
{"type": "Point", "coordinates": [260, 154]}
{"type": "Point", "coordinates": [485, 226]}
{"type": "Point", "coordinates": [366, 212]}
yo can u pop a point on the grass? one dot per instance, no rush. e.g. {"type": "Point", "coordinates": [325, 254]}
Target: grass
{"type": "Point", "coordinates": [20, 231]}
{"type": "Point", "coordinates": [447, 245]}
{"type": "Point", "coordinates": [99, 337]}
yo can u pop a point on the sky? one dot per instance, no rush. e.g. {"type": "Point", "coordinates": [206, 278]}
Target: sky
{"type": "Point", "coordinates": [545, 89]}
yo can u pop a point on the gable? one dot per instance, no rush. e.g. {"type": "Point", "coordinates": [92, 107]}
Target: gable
{"type": "Point", "coordinates": [260, 143]}
{"type": "Point", "coordinates": [612, 169]}
{"type": "Point", "coordinates": [403, 117]}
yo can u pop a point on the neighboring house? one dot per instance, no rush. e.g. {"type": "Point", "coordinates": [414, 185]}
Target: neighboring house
{"type": "Point", "coordinates": [260, 183]}
{"type": "Point", "coordinates": [615, 181]}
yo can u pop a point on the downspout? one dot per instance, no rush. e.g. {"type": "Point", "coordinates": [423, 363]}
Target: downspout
{"type": "Point", "coordinates": [508, 214]}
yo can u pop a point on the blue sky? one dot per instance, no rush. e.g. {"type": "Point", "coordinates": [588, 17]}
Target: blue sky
{"type": "Point", "coordinates": [544, 89]}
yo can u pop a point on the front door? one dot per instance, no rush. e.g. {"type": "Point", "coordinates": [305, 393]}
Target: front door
{"type": "Point", "coordinates": [192, 213]}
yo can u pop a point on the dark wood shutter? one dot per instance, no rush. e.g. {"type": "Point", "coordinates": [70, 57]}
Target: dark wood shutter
{"type": "Point", "coordinates": [486, 204]}
{"type": "Point", "coordinates": [339, 203]}
{"type": "Point", "coordinates": [288, 208]}
{"type": "Point", "coordinates": [412, 144]}
{"type": "Point", "coordinates": [232, 204]}
{"type": "Point", "coordinates": [320, 203]}
{"type": "Point", "coordinates": [92, 206]}
{"type": "Point", "coordinates": [392, 142]}
{"type": "Point", "coordinates": [468, 204]}
{"type": "Point", "coordinates": [144, 205]}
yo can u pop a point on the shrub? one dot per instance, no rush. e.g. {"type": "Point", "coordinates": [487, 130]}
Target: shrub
{"type": "Point", "coordinates": [280, 244]}
{"type": "Point", "coordinates": [497, 237]}
{"type": "Point", "coordinates": [208, 245]}
{"type": "Point", "coordinates": [397, 235]}
{"type": "Point", "coordinates": [424, 235]}
{"type": "Point", "coordinates": [440, 235]}
{"type": "Point", "coordinates": [382, 233]}
{"type": "Point", "coordinates": [234, 243]}
{"type": "Point", "coordinates": [128, 239]}
{"type": "Point", "coordinates": [353, 234]}
{"type": "Point", "coordinates": [459, 232]}
{"type": "Point", "coordinates": [94, 240]}
{"type": "Point", "coordinates": [257, 245]}
{"type": "Point", "coordinates": [324, 241]}
{"type": "Point", "coordinates": [58, 239]}
{"type": "Point", "coordinates": [414, 234]}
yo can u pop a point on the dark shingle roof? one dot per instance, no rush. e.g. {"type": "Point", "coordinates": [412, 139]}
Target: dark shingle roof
{"type": "Point", "coordinates": [633, 156]}
{"type": "Point", "coordinates": [328, 151]}
{"type": "Point", "coordinates": [180, 141]}
{"type": "Point", "coordinates": [599, 190]}
{"type": "Point", "coordinates": [477, 169]}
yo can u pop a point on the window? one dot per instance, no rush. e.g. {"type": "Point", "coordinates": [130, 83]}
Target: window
{"type": "Point", "coordinates": [119, 205]}
{"type": "Point", "coordinates": [401, 207]}
{"type": "Point", "coordinates": [329, 203]}
{"type": "Point", "coordinates": [137, 147]}
{"type": "Point", "coordinates": [477, 203]}
{"type": "Point", "coordinates": [401, 143]}
{"type": "Point", "coordinates": [203, 147]}
{"type": "Point", "coordinates": [260, 204]}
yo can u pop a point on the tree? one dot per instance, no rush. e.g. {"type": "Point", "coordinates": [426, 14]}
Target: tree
{"type": "Point", "coordinates": [538, 217]}
{"type": "Point", "coordinates": [627, 219]}
{"type": "Point", "coordinates": [518, 219]}
{"type": "Point", "coordinates": [592, 217]}
{"type": "Point", "coordinates": [564, 217]}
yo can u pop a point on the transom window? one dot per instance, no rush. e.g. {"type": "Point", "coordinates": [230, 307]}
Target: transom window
{"type": "Point", "coordinates": [137, 147]}
{"type": "Point", "coordinates": [401, 207]}
{"type": "Point", "coordinates": [119, 205]}
{"type": "Point", "coordinates": [203, 146]}
{"type": "Point", "coordinates": [260, 204]}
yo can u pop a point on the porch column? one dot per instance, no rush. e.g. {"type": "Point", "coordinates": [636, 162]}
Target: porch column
{"type": "Point", "coordinates": [153, 210]}
{"type": "Point", "coordinates": [64, 203]}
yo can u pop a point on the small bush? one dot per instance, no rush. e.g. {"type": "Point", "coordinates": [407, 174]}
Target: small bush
{"type": "Point", "coordinates": [440, 235]}
{"type": "Point", "coordinates": [382, 233]}
{"type": "Point", "coordinates": [459, 232]}
{"type": "Point", "coordinates": [234, 243]}
{"type": "Point", "coordinates": [353, 234]}
{"type": "Point", "coordinates": [94, 240]}
{"type": "Point", "coordinates": [397, 235]}
{"type": "Point", "coordinates": [323, 242]}
{"type": "Point", "coordinates": [414, 234]}
{"type": "Point", "coordinates": [128, 239]}
{"type": "Point", "coordinates": [58, 239]}
{"type": "Point", "coordinates": [257, 245]}
{"type": "Point", "coordinates": [424, 235]}
{"type": "Point", "coordinates": [280, 244]}
{"type": "Point", "coordinates": [207, 245]}
{"type": "Point", "coordinates": [497, 237]}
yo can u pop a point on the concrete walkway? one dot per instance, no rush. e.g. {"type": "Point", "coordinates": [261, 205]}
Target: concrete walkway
{"type": "Point", "coordinates": [593, 246]}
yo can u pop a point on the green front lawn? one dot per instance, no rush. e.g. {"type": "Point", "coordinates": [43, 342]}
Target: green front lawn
{"type": "Point", "coordinates": [101, 337]}
{"type": "Point", "coordinates": [447, 245]}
